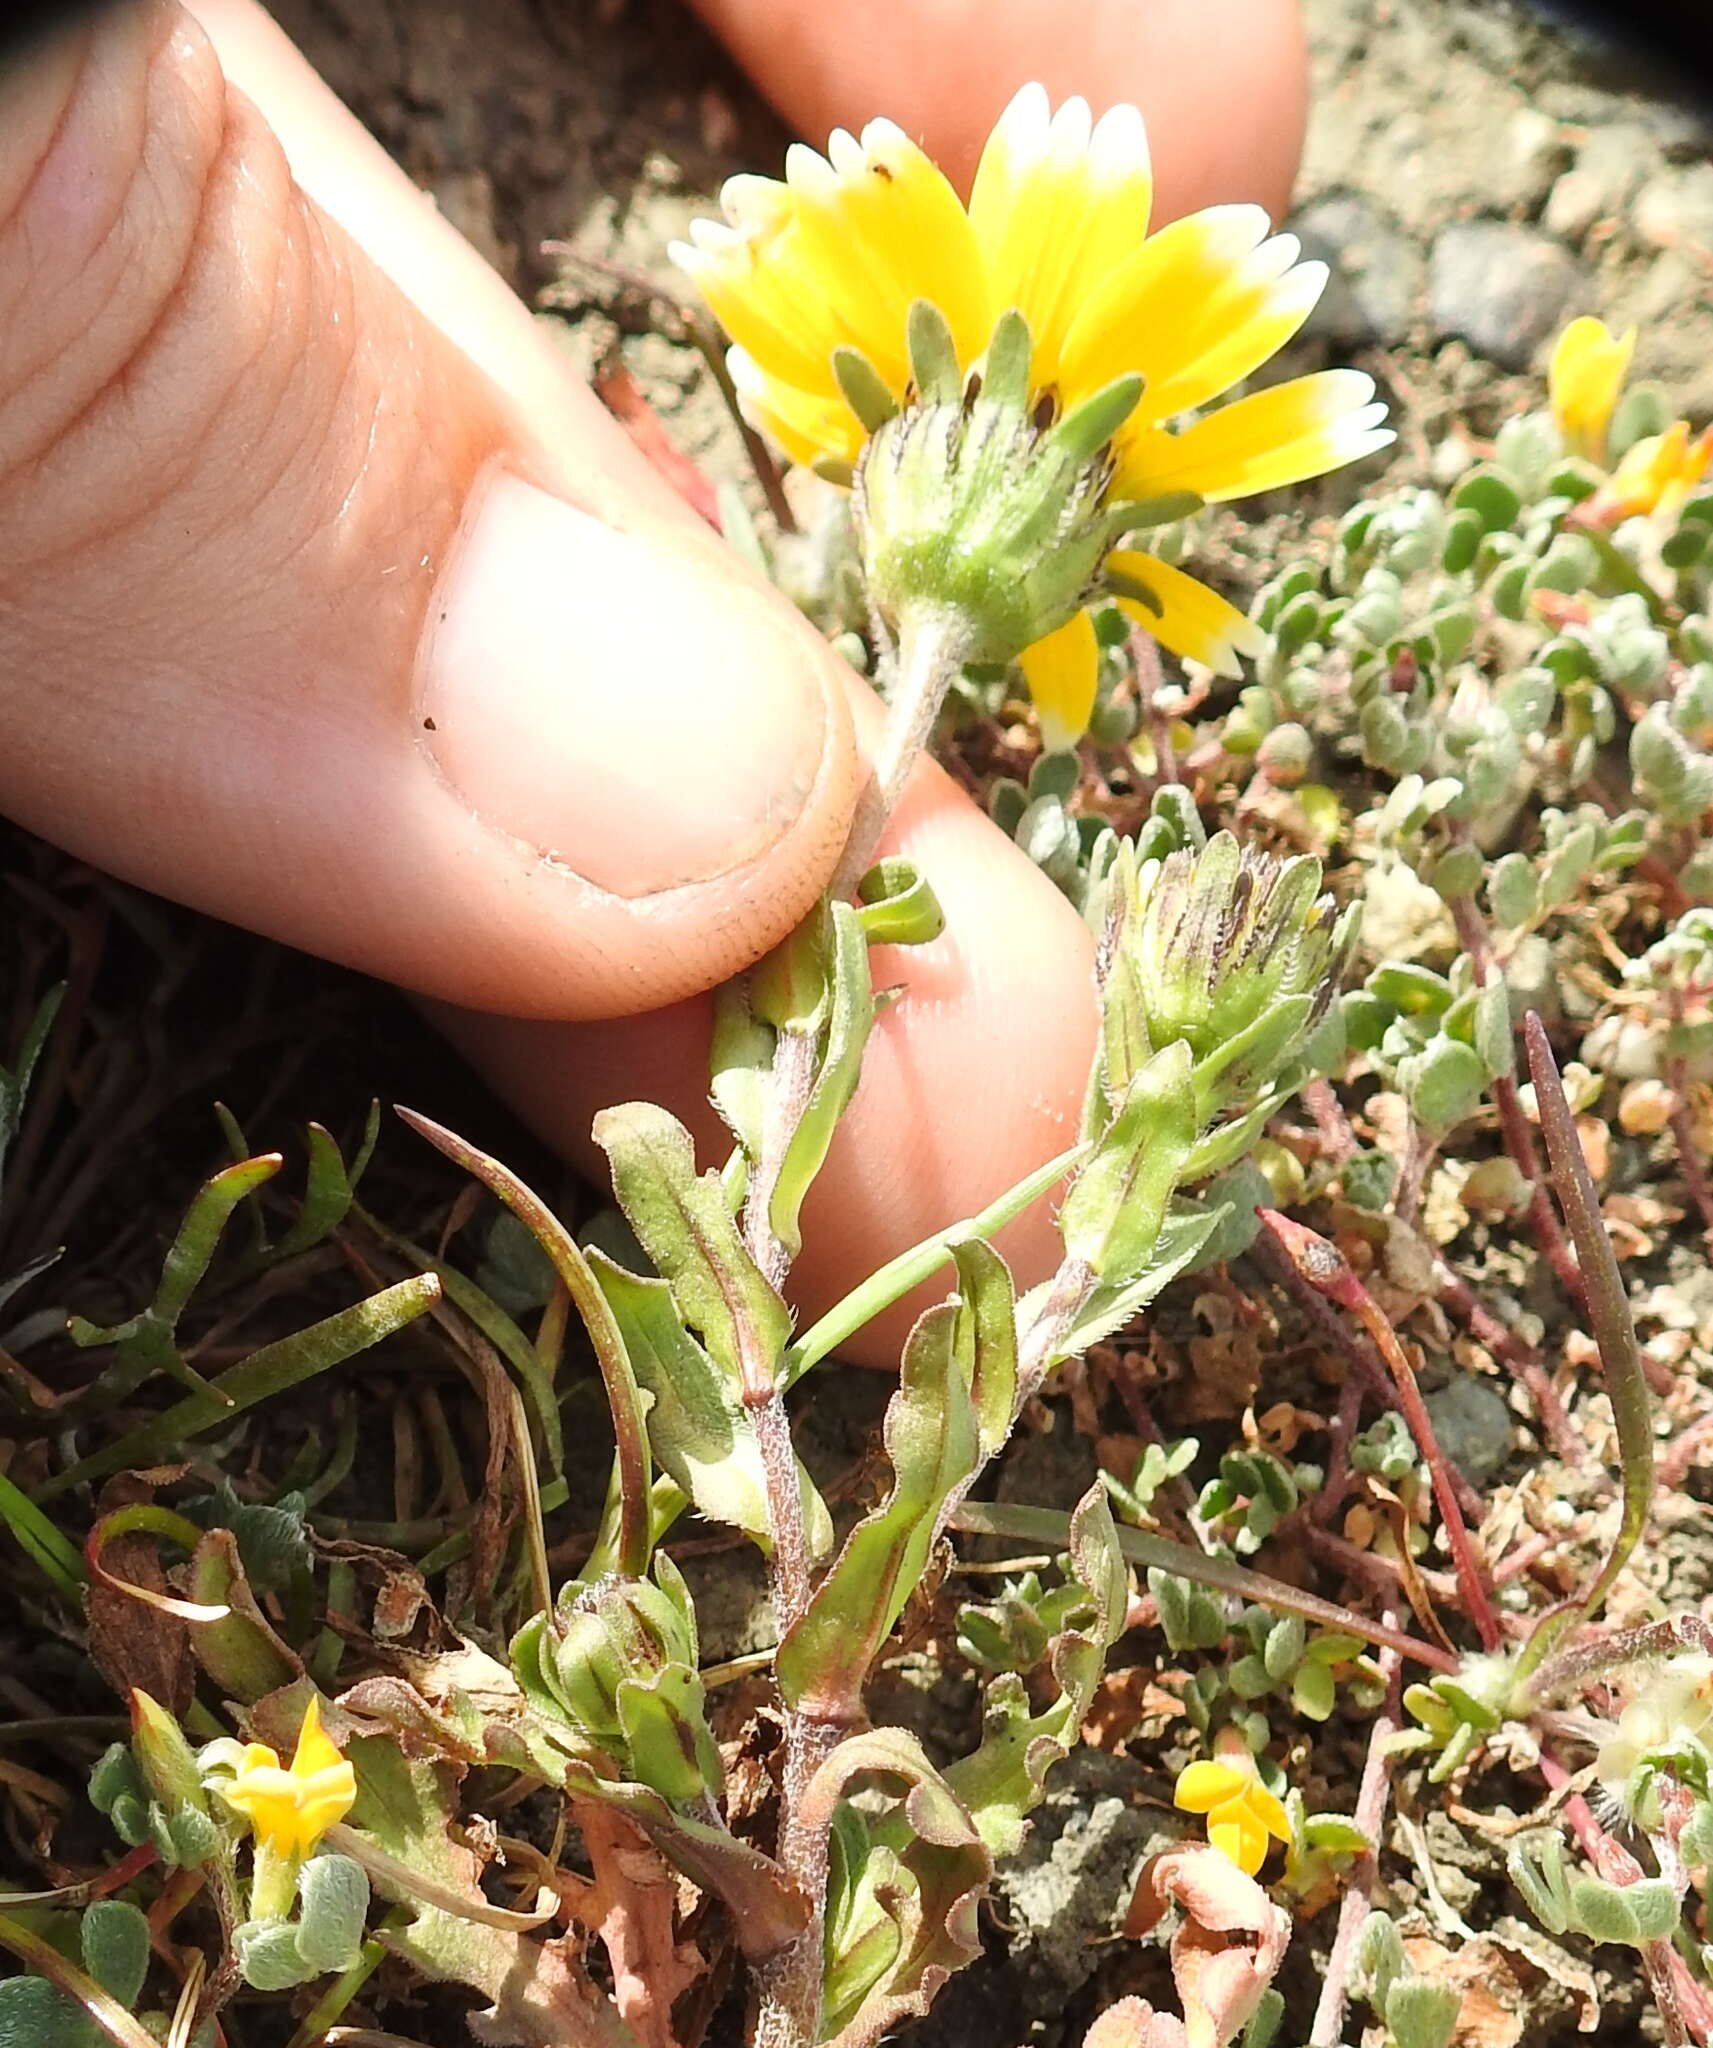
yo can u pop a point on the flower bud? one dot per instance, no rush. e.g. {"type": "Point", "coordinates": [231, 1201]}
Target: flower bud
{"type": "Point", "coordinates": [165, 1758]}
{"type": "Point", "coordinates": [1233, 952]}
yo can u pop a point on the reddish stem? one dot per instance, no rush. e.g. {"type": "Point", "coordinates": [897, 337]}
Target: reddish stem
{"type": "Point", "coordinates": [1327, 1270]}
{"type": "Point", "coordinates": [1338, 1140]}
{"type": "Point", "coordinates": [1514, 1127]}
{"type": "Point", "coordinates": [1356, 1348]}
{"type": "Point", "coordinates": [1370, 1814]}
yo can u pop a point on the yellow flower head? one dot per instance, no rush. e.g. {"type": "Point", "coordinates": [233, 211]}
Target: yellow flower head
{"type": "Point", "coordinates": [290, 1810]}
{"type": "Point", "coordinates": [1587, 372]}
{"type": "Point", "coordinates": [1656, 476]}
{"type": "Point", "coordinates": [1241, 1812]}
{"type": "Point", "coordinates": [808, 273]}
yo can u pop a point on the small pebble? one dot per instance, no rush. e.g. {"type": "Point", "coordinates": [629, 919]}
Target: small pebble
{"type": "Point", "coordinates": [1676, 208]}
{"type": "Point", "coordinates": [1505, 288]}
{"type": "Point", "coordinates": [1645, 1107]}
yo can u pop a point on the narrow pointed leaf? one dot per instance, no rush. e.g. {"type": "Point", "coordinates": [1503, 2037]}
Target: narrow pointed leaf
{"type": "Point", "coordinates": [1113, 1213]}
{"type": "Point", "coordinates": [268, 1371]}
{"type": "Point", "coordinates": [698, 1428]}
{"type": "Point", "coordinates": [985, 1339]}
{"type": "Point", "coordinates": [684, 1225]}
{"type": "Point", "coordinates": [1132, 515]}
{"type": "Point", "coordinates": [850, 1018]}
{"type": "Point", "coordinates": [1005, 378]}
{"type": "Point", "coordinates": [934, 1446]}
{"type": "Point", "coordinates": [624, 1397]}
{"type": "Point", "coordinates": [739, 1058]}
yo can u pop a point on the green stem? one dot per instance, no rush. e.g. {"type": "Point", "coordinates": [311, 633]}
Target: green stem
{"type": "Point", "coordinates": [339, 1994]}
{"type": "Point", "coordinates": [930, 655]}
{"type": "Point", "coordinates": [273, 1883]}
{"type": "Point", "coordinates": [1049, 1527]}
{"type": "Point", "coordinates": [896, 1278]}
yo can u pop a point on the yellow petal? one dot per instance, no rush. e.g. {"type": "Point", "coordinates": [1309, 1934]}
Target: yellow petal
{"type": "Point", "coordinates": [1269, 1812]}
{"type": "Point", "coordinates": [1276, 437]}
{"type": "Point", "coordinates": [1139, 318]}
{"type": "Point", "coordinates": [1235, 1835]}
{"type": "Point", "coordinates": [1268, 299]}
{"type": "Point", "coordinates": [316, 1750]}
{"type": "Point", "coordinates": [1193, 621]}
{"type": "Point", "coordinates": [901, 207]}
{"type": "Point", "coordinates": [1587, 371]}
{"type": "Point", "coordinates": [835, 257]}
{"type": "Point", "coordinates": [760, 295]}
{"type": "Point", "coordinates": [1655, 475]}
{"type": "Point", "coordinates": [1062, 672]}
{"type": "Point", "coordinates": [1056, 206]}
{"type": "Point", "coordinates": [876, 228]}
{"type": "Point", "coordinates": [805, 424]}
{"type": "Point", "coordinates": [1203, 1786]}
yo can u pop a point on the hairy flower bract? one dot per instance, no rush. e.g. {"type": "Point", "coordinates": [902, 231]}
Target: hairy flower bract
{"type": "Point", "coordinates": [815, 279]}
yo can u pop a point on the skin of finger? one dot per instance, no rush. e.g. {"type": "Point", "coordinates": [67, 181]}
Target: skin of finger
{"type": "Point", "coordinates": [999, 1013]}
{"type": "Point", "coordinates": [971, 1080]}
{"type": "Point", "coordinates": [1223, 87]}
{"type": "Point", "coordinates": [232, 466]}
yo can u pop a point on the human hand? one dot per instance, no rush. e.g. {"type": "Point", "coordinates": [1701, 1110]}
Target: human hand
{"type": "Point", "coordinates": [325, 589]}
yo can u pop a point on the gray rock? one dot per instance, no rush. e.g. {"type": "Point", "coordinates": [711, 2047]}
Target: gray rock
{"type": "Point", "coordinates": [1608, 168]}
{"type": "Point", "coordinates": [1473, 1425]}
{"type": "Point", "coordinates": [1377, 271]}
{"type": "Point", "coordinates": [1505, 289]}
{"type": "Point", "coordinates": [1530, 156]}
{"type": "Point", "coordinates": [1676, 209]}
{"type": "Point", "coordinates": [1073, 1875]}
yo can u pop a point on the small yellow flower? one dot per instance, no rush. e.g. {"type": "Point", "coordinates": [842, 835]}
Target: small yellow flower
{"type": "Point", "coordinates": [1655, 477]}
{"type": "Point", "coordinates": [1241, 1812]}
{"type": "Point", "coordinates": [290, 1810]}
{"type": "Point", "coordinates": [833, 258]}
{"type": "Point", "coordinates": [1588, 368]}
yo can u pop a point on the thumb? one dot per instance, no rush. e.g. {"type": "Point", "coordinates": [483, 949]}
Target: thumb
{"type": "Point", "coordinates": [309, 619]}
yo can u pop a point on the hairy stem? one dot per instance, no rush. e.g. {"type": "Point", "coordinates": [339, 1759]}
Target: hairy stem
{"type": "Point", "coordinates": [930, 653]}
{"type": "Point", "coordinates": [1614, 1331]}
{"type": "Point", "coordinates": [1371, 1799]}
{"type": "Point", "coordinates": [929, 656]}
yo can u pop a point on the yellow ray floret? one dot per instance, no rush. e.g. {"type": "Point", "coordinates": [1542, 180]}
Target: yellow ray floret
{"type": "Point", "coordinates": [1184, 615]}
{"type": "Point", "coordinates": [1063, 674]}
{"type": "Point", "coordinates": [1057, 228]}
